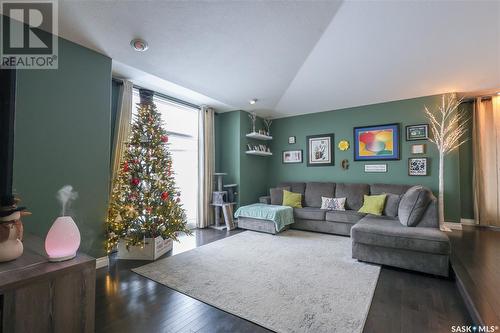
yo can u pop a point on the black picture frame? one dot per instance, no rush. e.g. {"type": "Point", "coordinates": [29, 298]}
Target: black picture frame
{"type": "Point", "coordinates": [409, 127]}
{"type": "Point", "coordinates": [426, 166]}
{"type": "Point", "coordinates": [292, 150]}
{"type": "Point", "coordinates": [310, 139]}
{"type": "Point", "coordinates": [396, 156]}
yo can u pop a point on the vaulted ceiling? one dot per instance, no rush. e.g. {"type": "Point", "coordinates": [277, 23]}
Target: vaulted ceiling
{"type": "Point", "coordinates": [298, 57]}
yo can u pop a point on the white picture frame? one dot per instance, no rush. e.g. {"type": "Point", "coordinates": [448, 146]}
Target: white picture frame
{"type": "Point", "coordinates": [418, 149]}
{"type": "Point", "coordinates": [292, 156]}
{"type": "Point", "coordinates": [375, 168]}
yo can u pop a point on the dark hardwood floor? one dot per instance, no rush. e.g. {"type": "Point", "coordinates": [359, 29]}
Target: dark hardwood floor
{"type": "Point", "coordinates": [476, 261]}
{"type": "Point", "coordinates": [127, 302]}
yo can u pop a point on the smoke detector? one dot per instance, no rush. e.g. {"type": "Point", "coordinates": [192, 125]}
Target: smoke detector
{"type": "Point", "coordinates": [140, 45]}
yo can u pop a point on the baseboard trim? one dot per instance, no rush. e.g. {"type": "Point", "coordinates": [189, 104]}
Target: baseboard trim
{"type": "Point", "coordinates": [468, 221]}
{"type": "Point", "coordinates": [102, 262]}
{"type": "Point", "coordinates": [453, 225]}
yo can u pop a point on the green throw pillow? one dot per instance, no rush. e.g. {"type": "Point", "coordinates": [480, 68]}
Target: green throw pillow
{"type": "Point", "coordinates": [291, 199]}
{"type": "Point", "coordinates": [373, 204]}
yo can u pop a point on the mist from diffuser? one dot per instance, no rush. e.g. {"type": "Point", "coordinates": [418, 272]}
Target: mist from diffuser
{"type": "Point", "coordinates": [63, 239]}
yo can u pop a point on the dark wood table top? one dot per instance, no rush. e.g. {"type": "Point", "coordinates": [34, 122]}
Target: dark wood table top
{"type": "Point", "coordinates": [34, 264]}
{"type": "Point", "coordinates": [475, 257]}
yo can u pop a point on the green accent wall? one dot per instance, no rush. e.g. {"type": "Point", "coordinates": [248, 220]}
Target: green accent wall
{"type": "Point", "coordinates": [253, 182]}
{"type": "Point", "coordinates": [227, 143]}
{"type": "Point", "coordinates": [256, 174]}
{"type": "Point", "coordinates": [242, 169]}
{"type": "Point", "coordinates": [466, 169]}
{"type": "Point", "coordinates": [63, 137]}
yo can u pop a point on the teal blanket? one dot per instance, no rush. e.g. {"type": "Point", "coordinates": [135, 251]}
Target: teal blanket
{"type": "Point", "coordinates": [280, 215]}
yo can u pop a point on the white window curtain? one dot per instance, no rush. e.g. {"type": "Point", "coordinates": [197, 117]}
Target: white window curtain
{"type": "Point", "coordinates": [122, 127]}
{"type": "Point", "coordinates": [486, 145]}
{"type": "Point", "coordinates": [206, 161]}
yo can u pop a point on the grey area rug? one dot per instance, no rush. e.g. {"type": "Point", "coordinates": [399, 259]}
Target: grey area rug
{"type": "Point", "coordinates": [292, 282]}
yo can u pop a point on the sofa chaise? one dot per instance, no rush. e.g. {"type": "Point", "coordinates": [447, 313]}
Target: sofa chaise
{"type": "Point", "coordinates": [406, 235]}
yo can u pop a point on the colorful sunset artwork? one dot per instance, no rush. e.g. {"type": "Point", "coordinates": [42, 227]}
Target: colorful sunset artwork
{"type": "Point", "coordinates": [376, 142]}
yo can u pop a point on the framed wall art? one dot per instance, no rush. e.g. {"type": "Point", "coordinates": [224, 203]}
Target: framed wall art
{"type": "Point", "coordinates": [417, 132]}
{"type": "Point", "coordinates": [291, 140]}
{"type": "Point", "coordinates": [320, 150]}
{"type": "Point", "coordinates": [380, 142]}
{"type": "Point", "coordinates": [417, 166]}
{"type": "Point", "coordinates": [418, 149]}
{"type": "Point", "coordinates": [292, 156]}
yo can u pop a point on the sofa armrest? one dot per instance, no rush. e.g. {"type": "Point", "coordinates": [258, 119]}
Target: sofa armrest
{"type": "Point", "coordinates": [265, 200]}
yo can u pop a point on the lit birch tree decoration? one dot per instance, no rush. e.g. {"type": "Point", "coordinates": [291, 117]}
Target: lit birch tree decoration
{"type": "Point", "coordinates": [449, 127]}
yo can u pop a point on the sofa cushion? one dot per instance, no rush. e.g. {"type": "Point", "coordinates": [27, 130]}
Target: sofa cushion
{"type": "Point", "coordinates": [295, 187]}
{"type": "Point", "coordinates": [388, 188]}
{"type": "Point", "coordinates": [394, 193]}
{"type": "Point", "coordinates": [388, 232]}
{"type": "Point", "coordinates": [277, 194]}
{"type": "Point", "coordinates": [323, 226]}
{"type": "Point", "coordinates": [292, 199]}
{"type": "Point", "coordinates": [413, 205]}
{"type": "Point", "coordinates": [346, 216]}
{"type": "Point", "coordinates": [309, 213]}
{"type": "Point", "coordinates": [316, 190]}
{"type": "Point", "coordinates": [353, 193]}
{"type": "Point", "coordinates": [392, 204]}
{"type": "Point", "coordinates": [373, 204]}
{"type": "Point", "coordinates": [430, 218]}
{"type": "Point", "coordinates": [265, 200]}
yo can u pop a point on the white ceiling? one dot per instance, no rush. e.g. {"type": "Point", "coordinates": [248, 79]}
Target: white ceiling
{"type": "Point", "coordinates": [296, 57]}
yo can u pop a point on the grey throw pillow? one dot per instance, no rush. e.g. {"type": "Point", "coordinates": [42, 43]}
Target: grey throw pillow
{"type": "Point", "coordinates": [413, 205]}
{"type": "Point", "coordinates": [277, 195]}
{"type": "Point", "coordinates": [392, 204]}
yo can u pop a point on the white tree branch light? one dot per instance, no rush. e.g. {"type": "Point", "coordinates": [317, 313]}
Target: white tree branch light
{"type": "Point", "coordinates": [448, 127]}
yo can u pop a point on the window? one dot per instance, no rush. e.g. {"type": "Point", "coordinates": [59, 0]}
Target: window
{"type": "Point", "coordinates": [181, 124]}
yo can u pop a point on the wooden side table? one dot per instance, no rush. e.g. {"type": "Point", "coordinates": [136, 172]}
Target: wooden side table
{"type": "Point", "coordinates": [39, 296]}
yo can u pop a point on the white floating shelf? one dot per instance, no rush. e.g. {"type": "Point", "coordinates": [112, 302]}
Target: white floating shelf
{"type": "Point", "coordinates": [258, 136]}
{"type": "Point", "coordinates": [260, 153]}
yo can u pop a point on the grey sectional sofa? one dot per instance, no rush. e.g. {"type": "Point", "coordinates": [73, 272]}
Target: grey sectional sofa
{"type": "Point", "coordinates": [407, 235]}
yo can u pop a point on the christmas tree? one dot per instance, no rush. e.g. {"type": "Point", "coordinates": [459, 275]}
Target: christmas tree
{"type": "Point", "coordinates": [145, 202]}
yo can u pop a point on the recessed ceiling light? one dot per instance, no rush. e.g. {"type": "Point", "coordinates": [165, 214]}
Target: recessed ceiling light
{"type": "Point", "coordinates": [498, 93]}
{"type": "Point", "coordinates": [253, 101]}
{"type": "Point", "coordinates": [140, 45]}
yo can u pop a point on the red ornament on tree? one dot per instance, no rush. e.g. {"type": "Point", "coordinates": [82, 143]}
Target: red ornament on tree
{"type": "Point", "coordinates": [135, 161]}
{"type": "Point", "coordinates": [135, 181]}
{"type": "Point", "coordinates": [178, 200]}
{"type": "Point", "coordinates": [164, 138]}
{"type": "Point", "coordinates": [164, 196]}
{"type": "Point", "coordinates": [125, 166]}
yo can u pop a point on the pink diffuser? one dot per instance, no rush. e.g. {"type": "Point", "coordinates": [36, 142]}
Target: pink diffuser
{"type": "Point", "coordinates": [63, 239]}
